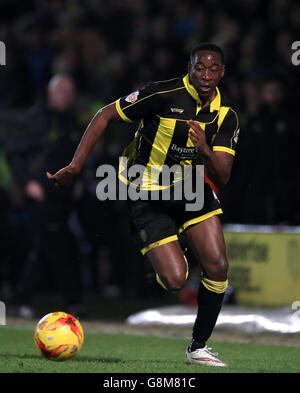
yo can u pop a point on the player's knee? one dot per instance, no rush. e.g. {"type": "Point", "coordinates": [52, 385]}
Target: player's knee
{"type": "Point", "coordinates": [217, 269]}
{"type": "Point", "coordinates": [175, 285]}
{"type": "Point", "coordinates": [174, 282]}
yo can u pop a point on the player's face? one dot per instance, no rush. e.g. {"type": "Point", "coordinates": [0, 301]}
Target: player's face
{"type": "Point", "coordinates": [206, 70]}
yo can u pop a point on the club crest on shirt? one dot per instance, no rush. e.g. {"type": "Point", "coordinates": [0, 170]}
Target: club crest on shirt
{"type": "Point", "coordinates": [132, 97]}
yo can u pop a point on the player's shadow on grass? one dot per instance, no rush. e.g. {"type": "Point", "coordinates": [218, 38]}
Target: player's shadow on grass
{"type": "Point", "coordinates": [98, 359]}
{"type": "Point", "coordinates": [76, 359]}
{"type": "Point", "coordinates": [19, 356]}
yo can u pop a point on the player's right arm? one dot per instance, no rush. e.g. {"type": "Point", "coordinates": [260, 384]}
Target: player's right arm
{"type": "Point", "coordinates": [137, 105]}
{"type": "Point", "coordinates": [66, 176]}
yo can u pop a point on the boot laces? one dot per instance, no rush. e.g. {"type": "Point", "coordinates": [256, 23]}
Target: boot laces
{"type": "Point", "coordinates": [208, 350]}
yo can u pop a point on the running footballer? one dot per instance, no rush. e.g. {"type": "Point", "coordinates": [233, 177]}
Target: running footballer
{"type": "Point", "coordinates": [184, 121]}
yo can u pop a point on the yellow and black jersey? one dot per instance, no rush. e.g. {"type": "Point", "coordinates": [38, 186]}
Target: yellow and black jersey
{"type": "Point", "coordinates": [162, 136]}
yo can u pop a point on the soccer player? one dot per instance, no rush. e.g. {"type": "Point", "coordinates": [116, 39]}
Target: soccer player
{"type": "Point", "coordinates": [185, 121]}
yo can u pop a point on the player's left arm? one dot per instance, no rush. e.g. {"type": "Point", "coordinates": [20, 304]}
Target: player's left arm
{"type": "Point", "coordinates": [217, 161]}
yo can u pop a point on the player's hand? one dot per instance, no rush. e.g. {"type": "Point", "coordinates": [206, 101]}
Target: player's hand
{"type": "Point", "coordinates": [64, 178]}
{"type": "Point", "coordinates": [197, 135]}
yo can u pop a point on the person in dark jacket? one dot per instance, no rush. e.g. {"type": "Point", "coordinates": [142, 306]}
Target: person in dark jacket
{"type": "Point", "coordinates": [47, 139]}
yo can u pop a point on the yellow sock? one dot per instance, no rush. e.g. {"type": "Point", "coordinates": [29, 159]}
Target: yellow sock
{"type": "Point", "coordinates": [215, 286]}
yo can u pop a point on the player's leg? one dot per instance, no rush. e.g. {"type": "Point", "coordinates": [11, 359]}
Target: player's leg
{"type": "Point", "coordinates": [207, 241]}
{"type": "Point", "coordinates": [170, 265]}
{"type": "Point", "coordinates": [157, 235]}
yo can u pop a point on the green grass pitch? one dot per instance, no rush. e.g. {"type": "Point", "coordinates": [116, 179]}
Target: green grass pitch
{"type": "Point", "coordinates": [112, 353]}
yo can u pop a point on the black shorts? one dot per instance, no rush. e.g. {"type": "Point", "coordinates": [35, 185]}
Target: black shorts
{"type": "Point", "coordinates": [159, 222]}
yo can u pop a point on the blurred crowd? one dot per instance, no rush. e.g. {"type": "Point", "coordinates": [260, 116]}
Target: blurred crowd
{"type": "Point", "coordinates": [68, 58]}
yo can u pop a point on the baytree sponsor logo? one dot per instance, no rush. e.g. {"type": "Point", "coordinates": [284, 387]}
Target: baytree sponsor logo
{"type": "Point", "coordinates": [184, 153]}
{"type": "Point", "coordinates": [138, 182]}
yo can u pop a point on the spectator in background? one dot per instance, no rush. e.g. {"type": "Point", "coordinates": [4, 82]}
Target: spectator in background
{"type": "Point", "coordinates": [47, 140]}
{"type": "Point", "coordinates": [267, 168]}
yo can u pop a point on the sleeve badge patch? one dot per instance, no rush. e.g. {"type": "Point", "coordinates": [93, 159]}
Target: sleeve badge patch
{"type": "Point", "coordinates": [132, 97]}
{"type": "Point", "coordinates": [236, 137]}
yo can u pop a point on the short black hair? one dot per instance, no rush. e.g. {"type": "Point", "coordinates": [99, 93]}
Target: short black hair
{"type": "Point", "coordinates": [209, 47]}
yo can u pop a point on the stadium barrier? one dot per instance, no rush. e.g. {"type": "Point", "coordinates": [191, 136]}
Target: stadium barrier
{"type": "Point", "coordinates": [264, 264]}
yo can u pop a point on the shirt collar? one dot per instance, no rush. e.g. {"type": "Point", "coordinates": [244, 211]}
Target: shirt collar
{"type": "Point", "coordinates": [216, 102]}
